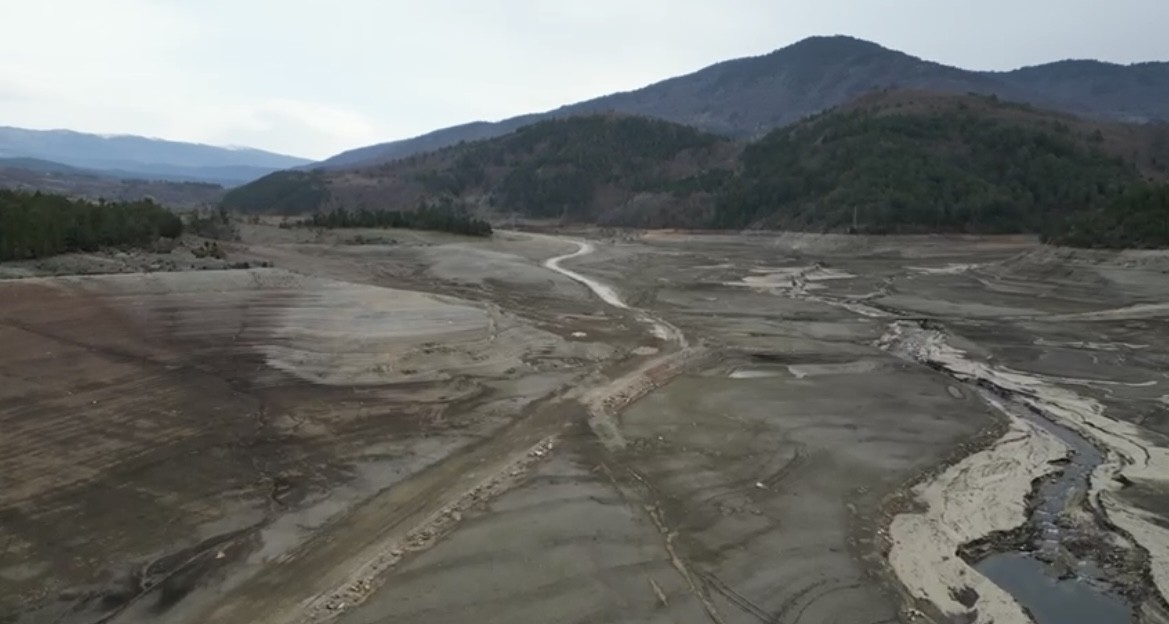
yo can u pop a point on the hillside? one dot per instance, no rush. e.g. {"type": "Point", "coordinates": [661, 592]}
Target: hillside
{"type": "Point", "coordinates": [748, 97]}
{"type": "Point", "coordinates": [891, 161]}
{"type": "Point", "coordinates": [143, 158]}
{"type": "Point", "coordinates": [30, 175]}
{"type": "Point", "coordinates": [906, 161]}
{"type": "Point", "coordinates": [1137, 219]}
{"type": "Point", "coordinates": [584, 168]}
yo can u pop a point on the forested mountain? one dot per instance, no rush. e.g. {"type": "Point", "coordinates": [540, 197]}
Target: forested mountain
{"type": "Point", "coordinates": [142, 158]}
{"type": "Point", "coordinates": [890, 161]}
{"type": "Point", "coordinates": [582, 168]}
{"type": "Point", "coordinates": [903, 162]}
{"type": "Point", "coordinates": [747, 97]}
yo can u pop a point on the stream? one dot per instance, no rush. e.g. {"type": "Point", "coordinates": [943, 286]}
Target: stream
{"type": "Point", "coordinates": [1054, 586]}
{"type": "Point", "coordinates": [1056, 573]}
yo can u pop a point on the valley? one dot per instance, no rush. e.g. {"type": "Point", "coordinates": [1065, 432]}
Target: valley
{"type": "Point", "coordinates": [570, 426]}
{"type": "Point", "coordinates": [831, 334]}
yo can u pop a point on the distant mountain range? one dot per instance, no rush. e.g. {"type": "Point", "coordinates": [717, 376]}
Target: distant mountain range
{"type": "Point", "coordinates": [745, 98]}
{"type": "Point", "coordinates": [133, 157]}
{"type": "Point", "coordinates": [31, 174]}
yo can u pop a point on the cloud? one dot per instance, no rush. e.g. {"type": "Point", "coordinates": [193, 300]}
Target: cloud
{"type": "Point", "coordinates": [313, 78]}
{"type": "Point", "coordinates": [296, 126]}
{"type": "Point", "coordinates": [143, 71]}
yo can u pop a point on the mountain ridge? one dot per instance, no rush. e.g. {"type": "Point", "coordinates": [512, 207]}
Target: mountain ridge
{"type": "Point", "coordinates": [746, 97]}
{"type": "Point", "coordinates": [902, 161]}
{"type": "Point", "coordinates": [147, 158]}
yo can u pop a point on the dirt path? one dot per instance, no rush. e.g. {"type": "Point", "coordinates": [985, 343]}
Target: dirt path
{"type": "Point", "coordinates": [313, 583]}
{"type": "Point", "coordinates": [342, 565]}
{"type": "Point", "coordinates": [604, 402]}
{"type": "Point", "coordinates": [604, 291]}
{"type": "Point", "coordinates": [660, 328]}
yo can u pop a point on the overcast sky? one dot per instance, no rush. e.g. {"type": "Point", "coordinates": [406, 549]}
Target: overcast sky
{"type": "Point", "coordinates": [314, 77]}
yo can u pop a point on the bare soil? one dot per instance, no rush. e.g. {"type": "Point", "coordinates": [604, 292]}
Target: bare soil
{"type": "Point", "coordinates": [429, 428]}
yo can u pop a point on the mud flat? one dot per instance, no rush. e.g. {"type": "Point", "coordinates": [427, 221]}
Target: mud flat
{"type": "Point", "coordinates": [1068, 337]}
{"type": "Point", "coordinates": [671, 428]}
{"type": "Point", "coordinates": [731, 498]}
{"type": "Point", "coordinates": [170, 435]}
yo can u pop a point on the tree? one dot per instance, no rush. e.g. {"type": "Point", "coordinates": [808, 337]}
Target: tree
{"type": "Point", "coordinates": [34, 225]}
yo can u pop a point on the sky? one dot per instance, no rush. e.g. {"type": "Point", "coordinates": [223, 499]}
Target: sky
{"type": "Point", "coordinates": [315, 77]}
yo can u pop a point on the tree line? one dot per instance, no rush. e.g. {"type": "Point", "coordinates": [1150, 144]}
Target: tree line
{"type": "Point", "coordinates": [35, 225]}
{"type": "Point", "coordinates": [1137, 219]}
{"type": "Point", "coordinates": [441, 217]}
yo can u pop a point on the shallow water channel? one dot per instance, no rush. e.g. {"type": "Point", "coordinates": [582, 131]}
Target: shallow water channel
{"type": "Point", "coordinates": [1031, 577]}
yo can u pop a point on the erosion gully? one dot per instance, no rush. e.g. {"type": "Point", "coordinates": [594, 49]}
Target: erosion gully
{"type": "Point", "coordinates": [1051, 583]}
{"type": "Point", "coordinates": [1049, 565]}
{"type": "Point", "coordinates": [1052, 587]}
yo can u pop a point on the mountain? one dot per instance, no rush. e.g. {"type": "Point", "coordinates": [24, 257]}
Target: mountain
{"type": "Point", "coordinates": [36, 165]}
{"type": "Point", "coordinates": [747, 97]}
{"type": "Point", "coordinates": [31, 174]}
{"type": "Point", "coordinates": [585, 168]}
{"type": "Point", "coordinates": [888, 161]}
{"type": "Point", "coordinates": [139, 157]}
{"type": "Point", "coordinates": [927, 162]}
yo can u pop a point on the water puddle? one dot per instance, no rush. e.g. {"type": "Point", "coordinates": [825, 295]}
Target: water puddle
{"type": "Point", "coordinates": [859, 367]}
{"type": "Point", "coordinates": [1049, 599]}
{"type": "Point", "coordinates": [754, 373]}
{"type": "Point", "coordinates": [949, 269]}
{"type": "Point", "coordinates": [804, 371]}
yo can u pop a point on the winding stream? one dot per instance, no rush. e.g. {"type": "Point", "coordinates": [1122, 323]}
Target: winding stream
{"type": "Point", "coordinates": [604, 291]}
{"type": "Point", "coordinates": [1051, 583]}
{"type": "Point", "coordinates": [1055, 582]}
{"type": "Point", "coordinates": [660, 329]}
{"type": "Point", "coordinates": [1054, 586]}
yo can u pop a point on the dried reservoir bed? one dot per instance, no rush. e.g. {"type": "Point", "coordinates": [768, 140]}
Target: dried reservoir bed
{"type": "Point", "coordinates": [436, 429]}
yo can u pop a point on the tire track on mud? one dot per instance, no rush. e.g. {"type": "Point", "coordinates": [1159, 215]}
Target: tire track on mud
{"type": "Point", "coordinates": [626, 390]}
{"type": "Point", "coordinates": [339, 566]}
{"type": "Point", "coordinates": [606, 401]}
{"type": "Point", "coordinates": [301, 586]}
